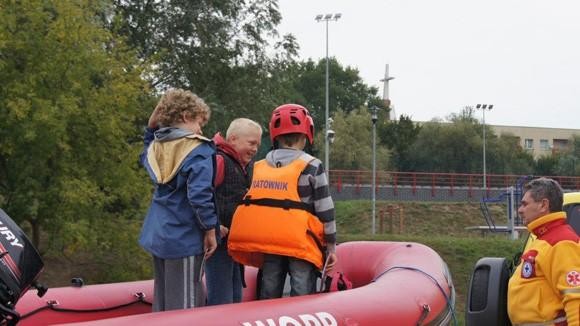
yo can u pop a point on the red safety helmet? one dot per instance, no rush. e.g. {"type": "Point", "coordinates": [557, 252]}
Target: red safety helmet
{"type": "Point", "coordinates": [290, 119]}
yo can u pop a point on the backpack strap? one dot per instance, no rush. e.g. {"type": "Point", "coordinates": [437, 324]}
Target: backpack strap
{"type": "Point", "coordinates": [334, 283]}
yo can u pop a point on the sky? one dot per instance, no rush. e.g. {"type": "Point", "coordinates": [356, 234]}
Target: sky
{"type": "Point", "coordinates": [522, 56]}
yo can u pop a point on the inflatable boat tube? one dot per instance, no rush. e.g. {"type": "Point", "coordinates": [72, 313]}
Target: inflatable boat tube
{"type": "Point", "coordinates": [394, 283]}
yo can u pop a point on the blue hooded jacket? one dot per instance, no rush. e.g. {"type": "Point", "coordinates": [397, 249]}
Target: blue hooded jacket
{"type": "Point", "coordinates": [181, 165]}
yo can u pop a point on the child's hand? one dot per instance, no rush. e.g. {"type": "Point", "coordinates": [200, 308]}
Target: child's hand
{"type": "Point", "coordinates": [331, 262]}
{"type": "Point", "coordinates": [224, 231]}
{"type": "Point", "coordinates": [154, 119]}
{"type": "Point", "coordinates": [209, 243]}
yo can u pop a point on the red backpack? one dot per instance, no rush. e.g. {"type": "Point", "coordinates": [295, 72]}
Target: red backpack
{"type": "Point", "coordinates": [336, 281]}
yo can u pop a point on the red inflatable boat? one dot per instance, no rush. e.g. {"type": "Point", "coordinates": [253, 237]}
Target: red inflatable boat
{"type": "Point", "coordinates": [394, 283]}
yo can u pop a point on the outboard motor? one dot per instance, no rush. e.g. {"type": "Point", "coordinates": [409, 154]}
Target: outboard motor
{"type": "Point", "coordinates": [20, 266]}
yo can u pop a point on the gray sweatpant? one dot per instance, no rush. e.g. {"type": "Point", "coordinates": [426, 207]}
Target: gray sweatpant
{"type": "Point", "coordinates": [177, 283]}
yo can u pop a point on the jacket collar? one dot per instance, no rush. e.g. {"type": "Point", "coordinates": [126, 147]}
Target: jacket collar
{"type": "Point", "coordinates": [542, 225]}
{"type": "Point", "coordinates": [223, 146]}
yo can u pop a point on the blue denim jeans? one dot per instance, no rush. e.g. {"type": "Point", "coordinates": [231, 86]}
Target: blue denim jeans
{"type": "Point", "coordinates": [274, 270]}
{"type": "Point", "coordinates": [223, 278]}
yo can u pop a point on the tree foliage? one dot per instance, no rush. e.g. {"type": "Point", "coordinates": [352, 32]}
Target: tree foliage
{"type": "Point", "coordinates": [352, 147]}
{"type": "Point", "coordinates": [347, 91]}
{"type": "Point", "coordinates": [457, 147]}
{"type": "Point", "coordinates": [221, 51]}
{"type": "Point", "coordinates": [506, 156]}
{"type": "Point", "coordinates": [569, 160]}
{"type": "Point", "coordinates": [217, 49]}
{"type": "Point", "coordinates": [69, 96]}
{"type": "Point", "coordinates": [399, 136]}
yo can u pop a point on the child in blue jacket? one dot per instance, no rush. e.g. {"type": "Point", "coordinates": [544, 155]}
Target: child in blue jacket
{"type": "Point", "coordinates": [180, 227]}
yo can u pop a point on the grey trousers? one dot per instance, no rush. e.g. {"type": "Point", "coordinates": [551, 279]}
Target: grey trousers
{"type": "Point", "coordinates": [177, 283]}
{"type": "Point", "coordinates": [274, 270]}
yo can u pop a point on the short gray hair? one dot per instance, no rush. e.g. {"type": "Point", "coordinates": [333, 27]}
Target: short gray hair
{"type": "Point", "coordinates": [546, 188]}
{"type": "Point", "coordinates": [241, 125]}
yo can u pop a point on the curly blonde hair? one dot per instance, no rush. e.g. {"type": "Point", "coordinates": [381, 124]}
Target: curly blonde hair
{"type": "Point", "coordinates": [175, 102]}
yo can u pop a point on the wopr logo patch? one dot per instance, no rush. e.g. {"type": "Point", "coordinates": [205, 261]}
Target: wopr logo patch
{"type": "Point", "coordinates": [529, 264]}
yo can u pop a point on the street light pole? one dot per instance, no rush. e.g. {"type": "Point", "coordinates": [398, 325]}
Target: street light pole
{"type": "Point", "coordinates": [484, 107]}
{"type": "Point", "coordinates": [326, 18]}
{"type": "Point", "coordinates": [374, 118]}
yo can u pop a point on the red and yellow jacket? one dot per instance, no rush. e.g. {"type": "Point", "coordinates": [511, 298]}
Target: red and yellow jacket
{"type": "Point", "coordinates": [545, 287]}
{"type": "Point", "coordinates": [272, 220]}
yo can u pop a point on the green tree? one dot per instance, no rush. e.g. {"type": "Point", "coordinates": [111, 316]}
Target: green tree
{"type": "Point", "coordinates": [352, 147]}
{"type": "Point", "coordinates": [506, 156]}
{"type": "Point", "coordinates": [569, 160]}
{"type": "Point", "coordinates": [347, 91]}
{"type": "Point", "coordinates": [217, 49]}
{"type": "Point", "coordinates": [196, 43]}
{"type": "Point", "coordinates": [447, 147]}
{"type": "Point", "coordinates": [546, 165]}
{"type": "Point", "coordinates": [220, 50]}
{"type": "Point", "coordinates": [399, 136]}
{"type": "Point", "coordinates": [457, 147]}
{"type": "Point", "coordinates": [69, 96]}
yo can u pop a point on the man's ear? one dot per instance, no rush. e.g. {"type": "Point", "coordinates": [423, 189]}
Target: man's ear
{"type": "Point", "coordinates": [546, 204]}
{"type": "Point", "coordinates": [232, 138]}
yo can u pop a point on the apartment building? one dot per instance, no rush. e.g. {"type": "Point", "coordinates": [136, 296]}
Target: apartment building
{"type": "Point", "coordinates": [539, 141]}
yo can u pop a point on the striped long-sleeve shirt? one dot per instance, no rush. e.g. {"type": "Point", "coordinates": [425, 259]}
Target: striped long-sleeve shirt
{"type": "Point", "coordinates": [312, 188]}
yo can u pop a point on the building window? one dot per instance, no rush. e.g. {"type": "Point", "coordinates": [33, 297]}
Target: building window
{"type": "Point", "coordinates": [561, 144]}
{"type": "Point", "coordinates": [544, 144]}
{"type": "Point", "coordinates": [528, 143]}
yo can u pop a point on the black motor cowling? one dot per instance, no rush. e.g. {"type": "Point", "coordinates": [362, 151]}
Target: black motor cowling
{"type": "Point", "coordinates": [20, 266]}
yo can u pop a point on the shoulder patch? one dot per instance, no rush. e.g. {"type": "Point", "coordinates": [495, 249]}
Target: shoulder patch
{"type": "Point", "coordinates": [573, 278]}
{"type": "Point", "coordinates": [529, 264]}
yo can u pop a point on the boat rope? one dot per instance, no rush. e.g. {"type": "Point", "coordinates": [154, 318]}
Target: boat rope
{"type": "Point", "coordinates": [447, 298]}
{"type": "Point", "coordinates": [53, 305]}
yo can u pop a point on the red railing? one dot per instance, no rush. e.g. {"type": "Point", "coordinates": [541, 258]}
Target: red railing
{"type": "Point", "coordinates": [423, 179]}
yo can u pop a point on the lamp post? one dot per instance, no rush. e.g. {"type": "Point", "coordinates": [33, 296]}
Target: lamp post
{"type": "Point", "coordinates": [484, 107]}
{"type": "Point", "coordinates": [374, 118]}
{"type": "Point", "coordinates": [326, 18]}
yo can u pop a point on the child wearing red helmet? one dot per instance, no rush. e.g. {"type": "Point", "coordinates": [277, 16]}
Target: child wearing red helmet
{"type": "Point", "coordinates": [285, 224]}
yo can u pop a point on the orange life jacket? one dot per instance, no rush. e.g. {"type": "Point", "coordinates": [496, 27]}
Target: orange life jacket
{"type": "Point", "coordinates": [271, 219]}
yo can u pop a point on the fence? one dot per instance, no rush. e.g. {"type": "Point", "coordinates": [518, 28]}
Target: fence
{"type": "Point", "coordinates": [356, 184]}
